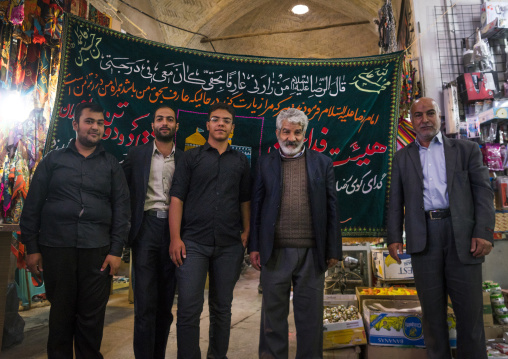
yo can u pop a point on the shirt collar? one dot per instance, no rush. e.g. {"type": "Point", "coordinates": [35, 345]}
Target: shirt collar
{"type": "Point", "coordinates": [72, 147]}
{"type": "Point", "coordinates": [299, 154]}
{"type": "Point", "coordinates": [207, 146]}
{"type": "Point", "coordinates": [156, 150]}
{"type": "Point", "coordinates": [437, 138]}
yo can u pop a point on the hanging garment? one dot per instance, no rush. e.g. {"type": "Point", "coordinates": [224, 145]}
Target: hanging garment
{"type": "Point", "coordinates": [7, 188]}
{"type": "Point", "coordinates": [17, 12]}
{"type": "Point", "coordinates": [6, 50]}
{"type": "Point", "coordinates": [41, 89]}
{"type": "Point", "coordinates": [54, 22]}
{"type": "Point", "coordinates": [31, 66]}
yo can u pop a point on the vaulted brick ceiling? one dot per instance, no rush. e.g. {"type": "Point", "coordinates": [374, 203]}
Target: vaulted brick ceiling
{"type": "Point", "coordinates": [219, 18]}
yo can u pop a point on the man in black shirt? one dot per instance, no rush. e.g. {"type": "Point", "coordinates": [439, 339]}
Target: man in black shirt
{"type": "Point", "coordinates": [74, 224]}
{"type": "Point", "coordinates": [209, 228]}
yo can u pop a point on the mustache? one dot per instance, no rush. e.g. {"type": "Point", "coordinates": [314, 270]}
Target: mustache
{"type": "Point", "coordinates": [291, 143]}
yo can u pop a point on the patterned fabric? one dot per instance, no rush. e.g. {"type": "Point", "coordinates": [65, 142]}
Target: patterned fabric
{"type": "Point", "coordinates": [38, 33]}
{"type": "Point", "coordinates": [32, 64]}
{"type": "Point", "coordinates": [405, 133]}
{"type": "Point", "coordinates": [7, 190]}
{"type": "Point", "coordinates": [41, 90]}
{"type": "Point", "coordinates": [4, 9]}
{"type": "Point", "coordinates": [54, 22]}
{"type": "Point", "coordinates": [19, 70]}
{"type": "Point", "coordinates": [6, 48]}
{"type": "Point", "coordinates": [17, 12]}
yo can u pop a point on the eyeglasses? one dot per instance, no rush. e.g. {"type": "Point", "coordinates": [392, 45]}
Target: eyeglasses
{"type": "Point", "coordinates": [226, 120]}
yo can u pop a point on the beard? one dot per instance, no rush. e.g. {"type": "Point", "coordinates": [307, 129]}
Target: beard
{"type": "Point", "coordinates": [164, 137]}
{"type": "Point", "coordinates": [290, 148]}
{"type": "Point", "coordinates": [87, 142]}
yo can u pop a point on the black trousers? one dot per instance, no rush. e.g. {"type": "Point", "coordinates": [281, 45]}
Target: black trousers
{"type": "Point", "coordinates": [438, 272]}
{"type": "Point", "coordinates": [78, 292]}
{"type": "Point", "coordinates": [154, 288]}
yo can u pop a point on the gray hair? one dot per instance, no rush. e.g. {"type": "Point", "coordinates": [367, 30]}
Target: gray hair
{"type": "Point", "coordinates": [292, 115]}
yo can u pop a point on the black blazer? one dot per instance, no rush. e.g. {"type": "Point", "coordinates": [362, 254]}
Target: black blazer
{"type": "Point", "coordinates": [266, 198]}
{"type": "Point", "coordinates": [469, 193]}
{"type": "Point", "coordinates": [136, 167]}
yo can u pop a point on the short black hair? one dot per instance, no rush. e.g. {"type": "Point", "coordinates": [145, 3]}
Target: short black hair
{"type": "Point", "coordinates": [164, 106]}
{"type": "Point", "coordinates": [222, 106]}
{"type": "Point", "coordinates": [93, 106]}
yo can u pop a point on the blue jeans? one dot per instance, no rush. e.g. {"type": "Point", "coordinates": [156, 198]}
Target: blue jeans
{"type": "Point", "coordinates": [223, 265]}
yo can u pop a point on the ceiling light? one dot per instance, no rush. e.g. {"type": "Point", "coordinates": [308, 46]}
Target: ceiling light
{"type": "Point", "coordinates": [300, 9]}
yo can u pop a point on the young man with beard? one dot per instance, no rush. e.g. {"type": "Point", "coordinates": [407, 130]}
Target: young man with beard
{"type": "Point", "coordinates": [295, 236]}
{"type": "Point", "coordinates": [149, 171]}
{"type": "Point", "coordinates": [74, 225]}
{"type": "Point", "coordinates": [209, 225]}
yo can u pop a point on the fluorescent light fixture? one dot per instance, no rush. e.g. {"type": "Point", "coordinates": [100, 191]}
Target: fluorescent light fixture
{"type": "Point", "coordinates": [300, 9]}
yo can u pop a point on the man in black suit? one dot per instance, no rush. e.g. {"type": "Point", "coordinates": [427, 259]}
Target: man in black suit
{"type": "Point", "coordinates": [441, 190]}
{"type": "Point", "coordinates": [295, 237]}
{"type": "Point", "coordinates": [149, 171]}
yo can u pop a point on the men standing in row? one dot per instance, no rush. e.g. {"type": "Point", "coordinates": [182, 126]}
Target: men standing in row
{"type": "Point", "coordinates": [295, 237]}
{"type": "Point", "coordinates": [209, 226]}
{"type": "Point", "coordinates": [440, 190]}
{"type": "Point", "coordinates": [74, 225]}
{"type": "Point", "coordinates": [149, 171]}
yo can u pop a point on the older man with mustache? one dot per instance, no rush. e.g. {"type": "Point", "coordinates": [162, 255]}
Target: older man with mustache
{"type": "Point", "coordinates": [295, 237]}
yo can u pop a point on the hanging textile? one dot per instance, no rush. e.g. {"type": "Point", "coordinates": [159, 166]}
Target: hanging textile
{"type": "Point", "coordinates": [7, 189]}
{"type": "Point", "coordinates": [405, 133]}
{"type": "Point", "coordinates": [6, 51]}
{"type": "Point", "coordinates": [41, 89]}
{"type": "Point", "coordinates": [409, 92]}
{"type": "Point", "coordinates": [17, 12]}
{"type": "Point", "coordinates": [38, 34]}
{"type": "Point", "coordinates": [5, 5]}
{"type": "Point", "coordinates": [19, 69]}
{"type": "Point", "coordinates": [20, 176]}
{"type": "Point", "coordinates": [386, 28]}
{"type": "Point", "coordinates": [54, 22]}
{"type": "Point", "coordinates": [31, 66]}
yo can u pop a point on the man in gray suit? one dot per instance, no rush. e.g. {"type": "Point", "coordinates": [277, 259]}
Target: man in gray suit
{"type": "Point", "coordinates": [441, 189]}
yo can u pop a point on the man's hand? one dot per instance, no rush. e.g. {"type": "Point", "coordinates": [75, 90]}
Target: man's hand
{"type": "Point", "coordinates": [394, 248]}
{"type": "Point", "coordinates": [480, 247]}
{"type": "Point", "coordinates": [34, 263]}
{"type": "Point", "coordinates": [177, 251]}
{"type": "Point", "coordinates": [255, 260]}
{"type": "Point", "coordinates": [113, 262]}
{"type": "Point", "coordinates": [245, 238]}
{"type": "Point", "coordinates": [332, 262]}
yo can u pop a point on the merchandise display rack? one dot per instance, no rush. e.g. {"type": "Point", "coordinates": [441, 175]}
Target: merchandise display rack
{"type": "Point", "coordinates": [454, 26]}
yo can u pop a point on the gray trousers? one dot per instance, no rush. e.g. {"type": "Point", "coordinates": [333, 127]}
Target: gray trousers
{"type": "Point", "coordinates": [294, 266]}
{"type": "Point", "coordinates": [438, 272]}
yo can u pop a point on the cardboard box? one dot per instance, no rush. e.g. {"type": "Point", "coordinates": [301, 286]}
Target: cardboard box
{"type": "Point", "coordinates": [346, 334]}
{"type": "Point", "coordinates": [495, 331]}
{"type": "Point", "coordinates": [346, 353]}
{"type": "Point", "coordinates": [488, 318]}
{"type": "Point", "coordinates": [393, 322]}
{"type": "Point", "coordinates": [362, 297]}
{"type": "Point", "coordinates": [377, 352]}
{"type": "Point", "coordinates": [385, 267]}
{"type": "Point", "coordinates": [398, 323]}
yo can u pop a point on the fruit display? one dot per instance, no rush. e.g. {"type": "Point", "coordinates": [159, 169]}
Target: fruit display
{"type": "Point", "coordinates": [340, 314]}
{"type": "Point", "coordinates": [388, 291]}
